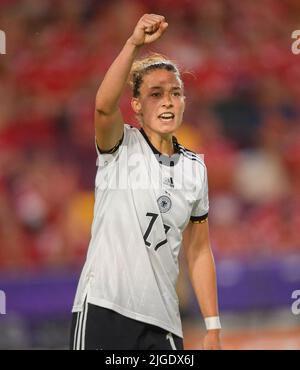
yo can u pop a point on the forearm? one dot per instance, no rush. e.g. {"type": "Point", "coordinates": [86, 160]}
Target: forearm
{"type": "Point", "coordinates": [203, 278]}
{"type": "Point", "coordinates": [113, 84]}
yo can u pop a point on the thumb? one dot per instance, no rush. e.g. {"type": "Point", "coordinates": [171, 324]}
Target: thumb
{"type": "Point", "coordinates": [162, 27]}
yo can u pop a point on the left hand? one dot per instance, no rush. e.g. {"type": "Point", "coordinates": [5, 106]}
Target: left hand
{"type": "Point", "coordinates": [212, 340]}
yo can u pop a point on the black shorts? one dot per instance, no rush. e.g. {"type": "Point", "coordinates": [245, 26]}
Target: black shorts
{"type": "Point", "coordinates": [97, 328]}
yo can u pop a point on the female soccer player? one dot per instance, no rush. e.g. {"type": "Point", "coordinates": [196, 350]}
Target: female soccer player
{"type": "Point", "coordinates": [149, 189]}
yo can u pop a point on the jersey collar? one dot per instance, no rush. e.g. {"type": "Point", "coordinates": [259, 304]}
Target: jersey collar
{"type": "Point", "coordinates": [163, 158]}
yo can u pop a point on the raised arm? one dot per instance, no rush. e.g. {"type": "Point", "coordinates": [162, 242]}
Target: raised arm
{"type": "Point", "coordinates": [108, 118]}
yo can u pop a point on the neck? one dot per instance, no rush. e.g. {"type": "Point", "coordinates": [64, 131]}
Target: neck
{"type": "Point", "coordinates": [163, 143]}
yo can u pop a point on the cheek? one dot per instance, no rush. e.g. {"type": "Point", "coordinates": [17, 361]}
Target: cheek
{"type": "Point", "coordinates": [150, 109]}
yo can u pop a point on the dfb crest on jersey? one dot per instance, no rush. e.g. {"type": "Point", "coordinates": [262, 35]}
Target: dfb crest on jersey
{"type": "Point", "coordinates": [164, 203]}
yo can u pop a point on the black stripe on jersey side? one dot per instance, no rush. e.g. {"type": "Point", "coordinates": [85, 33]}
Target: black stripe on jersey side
{"type": "Point", "coordinates": [112, 150]}
{"type": "Point", "coordinates": [188, 152]}
{"type": "Point", "coordinates": [199, 219]}
{"type": "Point", "coordinates": [192, 158]}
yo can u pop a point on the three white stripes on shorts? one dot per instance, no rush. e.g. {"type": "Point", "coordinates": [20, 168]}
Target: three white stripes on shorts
{"type": "Point", "coordinates": [80, 328]}
{"type": "Point", "coordinates": [79, 335]}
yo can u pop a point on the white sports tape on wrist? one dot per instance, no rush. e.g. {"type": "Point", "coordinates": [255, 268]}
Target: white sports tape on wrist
{"type": "Point", "coordinates": [212, 323]}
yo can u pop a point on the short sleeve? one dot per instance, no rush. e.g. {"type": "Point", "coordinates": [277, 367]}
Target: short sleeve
{"type": "Point", "coordinates": [201, 206]}
{"type": "Point", "coordinates": [108, 156]}
{"type": "Point", "coordinates": [110, 151]}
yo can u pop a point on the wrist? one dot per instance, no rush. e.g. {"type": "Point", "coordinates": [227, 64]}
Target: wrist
{"type": "Point", "coordinates": [130, 42]}
{"type": "Point", "coordinates": [212, 323]}
{"type": "Point", "coordinates": [214, 332]}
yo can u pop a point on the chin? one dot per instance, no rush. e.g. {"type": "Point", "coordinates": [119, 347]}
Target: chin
{"type": "Point", "coordinates": [167, 128]}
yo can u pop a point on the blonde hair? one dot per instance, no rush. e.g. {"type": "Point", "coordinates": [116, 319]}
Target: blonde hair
{"type": "Point", "coordinates": [141, 67]}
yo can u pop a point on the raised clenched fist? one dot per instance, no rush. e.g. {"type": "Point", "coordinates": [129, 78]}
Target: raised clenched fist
{"type": "Point", "coordinates": [148, 29]}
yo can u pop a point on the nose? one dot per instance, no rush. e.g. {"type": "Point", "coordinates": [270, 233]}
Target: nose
{"type": "Point", "coordinates": [167, 103]}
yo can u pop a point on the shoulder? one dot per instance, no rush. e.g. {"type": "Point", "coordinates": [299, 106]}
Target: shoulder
{"type": "Point", "coordinates": [131, 132]}
{"type": "Point", "coordinates": [191, 156]}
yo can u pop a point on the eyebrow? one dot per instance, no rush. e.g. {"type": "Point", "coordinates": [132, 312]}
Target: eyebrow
{"type": "Point", "coordinates": [159, 87]}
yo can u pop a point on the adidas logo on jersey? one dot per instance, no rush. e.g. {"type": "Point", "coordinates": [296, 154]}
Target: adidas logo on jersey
{"type": "Point", "coordinates": [169, 182]}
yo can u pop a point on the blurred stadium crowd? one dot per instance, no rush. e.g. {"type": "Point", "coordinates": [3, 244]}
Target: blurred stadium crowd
{"type": "Point", "coordinates": [243, 89]}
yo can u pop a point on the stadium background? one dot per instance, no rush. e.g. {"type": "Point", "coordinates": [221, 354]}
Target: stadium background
{"type": "Point", "coordinates": [243, 90]}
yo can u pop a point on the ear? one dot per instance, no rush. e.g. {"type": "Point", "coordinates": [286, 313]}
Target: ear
{"type": "Point", "coordinates": [136, 105]}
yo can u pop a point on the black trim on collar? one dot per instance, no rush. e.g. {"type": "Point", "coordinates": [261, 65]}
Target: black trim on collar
{"type": "Point", "coordinates": [163, 158]}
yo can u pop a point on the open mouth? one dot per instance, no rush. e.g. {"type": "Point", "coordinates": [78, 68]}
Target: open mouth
{"type": "Point", "coordinates": [167, 116]}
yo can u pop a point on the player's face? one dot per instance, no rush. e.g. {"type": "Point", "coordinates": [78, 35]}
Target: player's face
{"type": "Point", "coordinates": [161, 102]}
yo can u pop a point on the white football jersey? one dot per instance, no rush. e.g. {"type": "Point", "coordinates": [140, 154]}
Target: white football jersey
{"type": "Point", "coordinates": [143, 202]}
